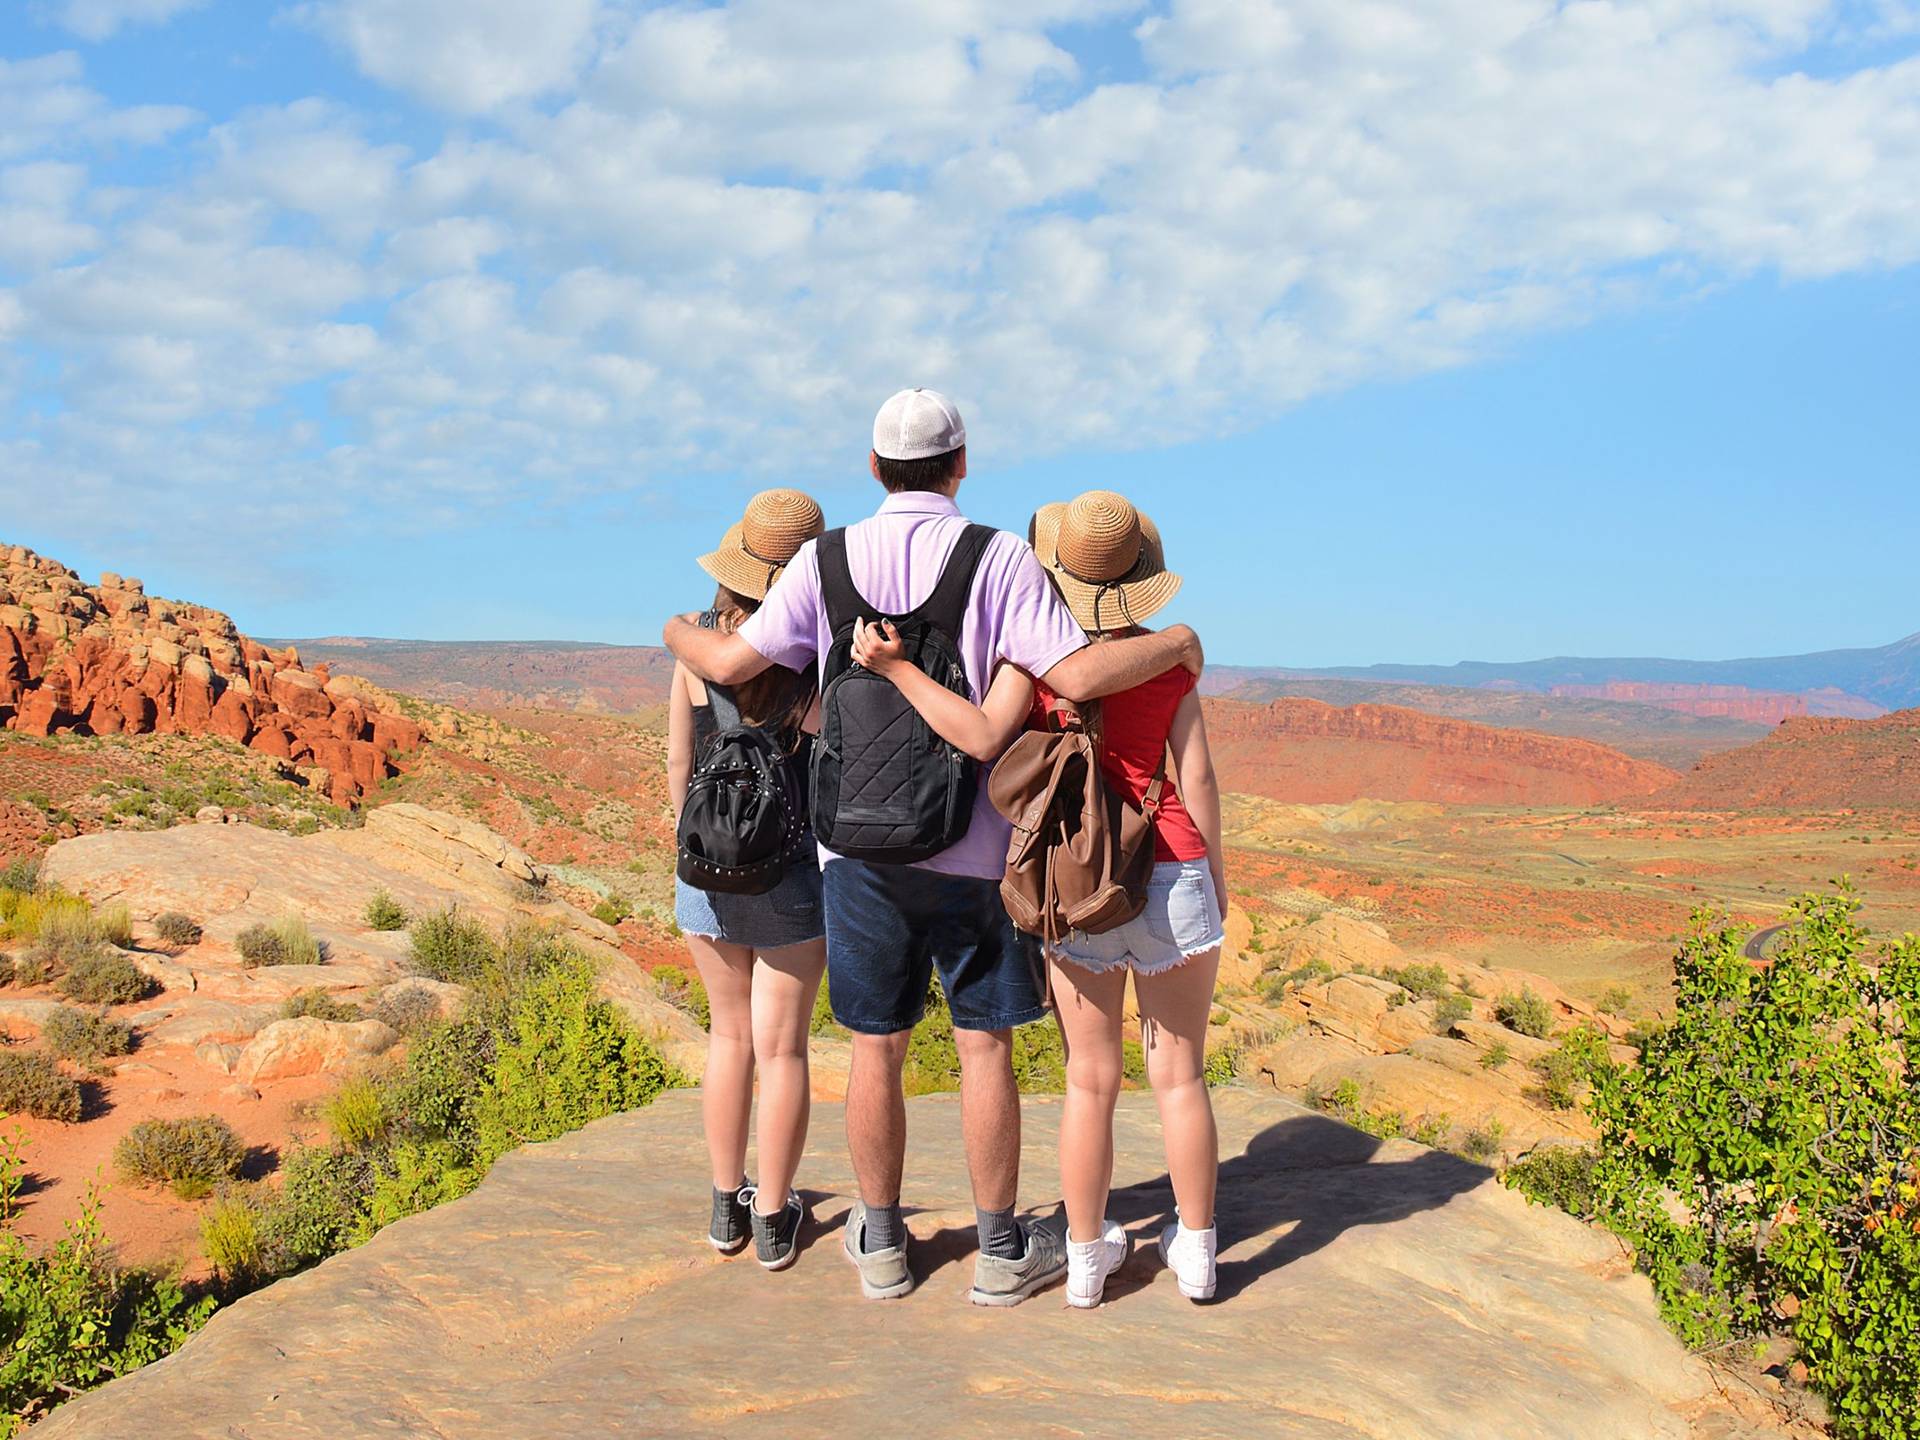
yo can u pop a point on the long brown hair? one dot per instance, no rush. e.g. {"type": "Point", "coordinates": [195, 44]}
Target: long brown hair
{"type": "Point", "coordinates": [777, 696]}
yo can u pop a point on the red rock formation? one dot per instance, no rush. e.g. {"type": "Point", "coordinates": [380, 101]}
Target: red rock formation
{"type": "Point", "coordinates": [1734, 702]}
{"type": "Point", "coordinates": [111, 660]}
{"type": "Point", "coordinates": [1307, 752]}
{"type": "Point", "coordinates": [1815, 763]}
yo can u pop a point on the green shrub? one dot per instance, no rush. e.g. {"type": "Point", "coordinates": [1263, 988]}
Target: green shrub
{"type": "Point", "coordinates": [319, 1005]}
{"type": "Point", "coordinates": [287, 941]}
{"type": "Point", "coordinates": [450, 946]}
{"type": "Point", "coordinates": [612, 910]}
{"type": "Point", "coordinates": [1563, 1070]}
{"type": "Point", "coordinates": [84, 1038]}
{"type": "Point", "coordinates": [1763, 1158]}
{"type": "Point", "coordinates": [114, 924]}
{"type": "Point", "coordinates": [1616, 1000]}
{"type": "Point", "coordinates": [1039, 1058]}
{"type": "Point", "coordinates": [1496, 1055]}
{"type": "Point", "coordinates": [1432, 1130]}
{"type": "Point", "coordinates": [1222, 1066]}
{"type": "Point", "coordinates": [71, 1320]}
{"type": "Point", "coordinates": [823, 1022]}
{"type": "Point", "coordinates": [1450, 1010]}
{"type": "Point", "coordinates": [191, 1155]}
{"type": "Point", "coordinates": [1557, 1175]}
{"type": "Point", "coordinates": [317, 1209]}
{"type": "Point", "coordinates": [21, 873]}
{"type": "Point", "coordinates": [32, 1084]}
{"type": "Point", "coordinates": [1481, 1144]}
{"type": "Point", "coordinates": [36, 914]}
{"type": "Point", "coordinates": [230, 1236]}
{"type": "Point", "coordinates": [384, 912]}
{"type": "Point", "coordinates": [176, 929]}
{"type": "Point", "coordinates": [1423, 982]}
{"type": "Point", "coordinates": [1348, 1102]}
{"type": "Point", "coordinates": [406, 1008]}
{"type": "Point", "coordinates": [356, 1113]}
{"type": "Point", "coordinates": [685, 992]}
{"type": "Point", "coordinates": [1524, 1012]}
{"type": "Point", "coordinates": [105, 977]}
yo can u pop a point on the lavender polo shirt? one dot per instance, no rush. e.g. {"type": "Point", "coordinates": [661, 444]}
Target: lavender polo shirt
{"type": "Point", "coordinates": [1014, 614]}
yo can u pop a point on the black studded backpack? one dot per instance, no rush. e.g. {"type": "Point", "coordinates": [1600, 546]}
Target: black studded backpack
{"type": "Point", "coordinates": [745, 818]}
{"type": "Point", "coordinates": [886, 788]}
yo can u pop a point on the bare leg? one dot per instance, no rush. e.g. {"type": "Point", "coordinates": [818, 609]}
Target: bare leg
{"type": "Point", "coordinates": [784, 982]}
{"type": "Point", "coordinates": [1089, 1007]}
{"type": "Point", "coordinates": [726, 1090]}
{"type": "Point", "coordinates": [990, 1115]}
{"type": "Point", "coordinates": [877, 1116]}
{"type": "Point", "coordinates": [1174, 1006]}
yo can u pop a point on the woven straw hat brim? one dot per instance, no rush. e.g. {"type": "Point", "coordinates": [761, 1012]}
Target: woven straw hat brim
{"type": "Point", "coordinates": [1130, 601]}
{"type": "Point", "coordinates": [734, 568]}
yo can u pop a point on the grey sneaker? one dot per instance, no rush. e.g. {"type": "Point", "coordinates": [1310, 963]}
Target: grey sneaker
{"type": "Point", "coordinates": [1008, 1282]}
{"type": "Point", "coordinates": [883, 1273]}
{"type": "Point", "coordinates": [776, 1238]}
{"type": "Point", "coordinates": [728, 1231]}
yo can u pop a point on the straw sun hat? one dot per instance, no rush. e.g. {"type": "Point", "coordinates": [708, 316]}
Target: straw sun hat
{"type": "Point", "coordinates": [1106, 558]}
{"type": "Point", "coordinates": [757, 547]}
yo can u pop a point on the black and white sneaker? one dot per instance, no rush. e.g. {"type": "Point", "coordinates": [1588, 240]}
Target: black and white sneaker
{"type": "Point", "coordinates": [730, 1229]}
{"type": "Point", "coordinates": [776, 1238]}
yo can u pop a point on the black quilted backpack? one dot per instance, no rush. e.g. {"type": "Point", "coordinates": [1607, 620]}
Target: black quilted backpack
{"type": "Point", "coordinates": [745, 819]}
{"type": "Point", "coordinates": [885, 787]}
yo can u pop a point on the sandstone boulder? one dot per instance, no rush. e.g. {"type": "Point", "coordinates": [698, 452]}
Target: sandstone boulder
{"type": "Point", "coordinates": [310, 1046]}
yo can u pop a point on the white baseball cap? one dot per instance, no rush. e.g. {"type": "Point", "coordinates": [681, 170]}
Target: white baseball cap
{"type": "Point", "coordinates": [916, 424]}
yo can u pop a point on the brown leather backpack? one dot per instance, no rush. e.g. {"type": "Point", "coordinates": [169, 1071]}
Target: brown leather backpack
{"type": "Point", "coordinates": [1081, 856]}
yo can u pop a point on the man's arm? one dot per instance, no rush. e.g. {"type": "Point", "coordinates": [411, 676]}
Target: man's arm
{"type": "Point", "coordinates": [716, 655]}
{"type": "Point", "coordinates": [1116, 665]}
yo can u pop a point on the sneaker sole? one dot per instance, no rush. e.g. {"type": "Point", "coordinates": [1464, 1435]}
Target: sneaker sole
{"type": "Point", "coordinates": [873, 1291]}
{"type": "Point", "coordinates": [785, 1261]}
{"type": "Point", "coordinates": [1192, 1292]}
{"type": "Point", "coordinates": [1014, 1297]}
{"type": "Point", "coordinates": [1093, 1302]}
{"type": "Point", "coordinates": [733, 1249]}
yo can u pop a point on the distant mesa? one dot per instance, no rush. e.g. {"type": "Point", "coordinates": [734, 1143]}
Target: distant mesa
{"type": "Point", "coordinates": [506, 674]}
{"type": "Point", "coordinates": [112, 660]}
{"type": "Point", "coordinates": [1306, 752]}
{"type": "Point", "coordinates": [1811, 763]}
{"type": "Point", "coordinates": [1734, 702]}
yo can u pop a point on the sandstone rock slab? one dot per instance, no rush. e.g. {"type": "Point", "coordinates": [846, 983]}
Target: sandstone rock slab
{"type": "Point", "coordinates": [1368, 1289]}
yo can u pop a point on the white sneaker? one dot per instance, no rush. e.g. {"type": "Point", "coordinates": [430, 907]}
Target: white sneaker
{"type": "Point", "coordinates": [1189, 1254]}
{"type": "Point", "coordinates": [1089, 1264]}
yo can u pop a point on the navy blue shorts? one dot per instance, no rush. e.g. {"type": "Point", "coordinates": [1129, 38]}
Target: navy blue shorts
{"type": "Point", "coordinates": [889, 927]}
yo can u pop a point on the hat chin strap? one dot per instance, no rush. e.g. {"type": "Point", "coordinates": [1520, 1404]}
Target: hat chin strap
{"type": "Point", "coordinates": [1100, 591]}
{"type": "Point", "coordinates": [773, 566]}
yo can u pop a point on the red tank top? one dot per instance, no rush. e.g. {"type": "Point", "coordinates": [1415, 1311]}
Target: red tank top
{"type": "Point", "coordinates": [1135, 724]}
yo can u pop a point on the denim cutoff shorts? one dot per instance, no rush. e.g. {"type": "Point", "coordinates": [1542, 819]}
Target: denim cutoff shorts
{"type": "Point", "coordinates": [1182, 919]}
{"type": "Point", "coordinates": [789, 914]}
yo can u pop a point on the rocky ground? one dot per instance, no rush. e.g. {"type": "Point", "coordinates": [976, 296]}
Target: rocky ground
{"type": "Point", "coordinates": [213, 1040]}
{"type": "Point", "coordinates": [1367, 1289]}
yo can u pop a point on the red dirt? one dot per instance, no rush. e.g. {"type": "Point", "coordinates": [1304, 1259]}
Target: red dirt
{"type": "Point", "coordinates": [1813, 763]}
{"type": "Point", "coordinates": [1304, 752]}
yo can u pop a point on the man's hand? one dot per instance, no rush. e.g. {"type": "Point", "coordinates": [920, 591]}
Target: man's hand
{"type": "Point", "coordinates": [716, 656]}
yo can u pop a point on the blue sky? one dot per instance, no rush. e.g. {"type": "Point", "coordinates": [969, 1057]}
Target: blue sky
{"type": "Point", "coordinates": [1428, 331]}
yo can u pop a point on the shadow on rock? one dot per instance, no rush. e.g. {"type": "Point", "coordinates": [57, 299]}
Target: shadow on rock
{"type": "Point", "coordinates": [1299, 1176]}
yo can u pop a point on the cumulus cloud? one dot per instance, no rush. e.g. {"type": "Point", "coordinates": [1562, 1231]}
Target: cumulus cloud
{"type": "Point", "coordinates": [707, 237]}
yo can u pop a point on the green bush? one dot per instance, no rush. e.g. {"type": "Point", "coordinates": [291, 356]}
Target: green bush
{"type": "Point", "coordinates": [823, 1022]}
{"type": "Point", "coordinates": [1432, 1130]}
{"type": "Point", "coordinates": [84, 1038]}
{"type": "Point", "coordinates": [1563, 1070]}
{"type": "Point", "coordinates": [406, 1008]}
{"type": "Point", "coordinates": [1481, 1144]}
{"type": "Point", "coordinates": [105, 977]}
{"type": "Point", "coordinates": [1449, 1011]}
{"type": "Point", "coordinates": [71, 1320]}
{"type": "Point", "coordinates": [1496, 1055]}
{"type": "Point", "coordinates": [356, 1113]}
{"type": "Point", "coordinates": [230, 1236]}
{"type": "Point", "coordinates": [1763, 1158]}
{"type": "Point", "coordinates": [191, 1155]}
{"type": "Point", "coordinates": [384, 912]}
{"type": "Point", "coordinates": [1423, 982]}
{"type": "Point", "coordinates": [177, 929]}
{"type": "Point", "coordinates": [1348, 1102]}
{"type": "Point", "coordinates": [317, 1210]}
{"type": "Point", "coordinates": [1558, 1175]}
{"type": "Point", "coordinates": [114, 924]}
{"type": "Point", "coordinates": [32, 1084]}
{"type": "Point", "coordinates": [287, 941]}
{"type": "Point", "coordinates": [450, 946]}
{"type": "Point", "coordinates": [612, 910]}
{"type": "Point", "coordinates": [685, 992]}
{"type": "Point", "coordinates": [1524, 1012]}
{"type": "Point", "coordinates": [21, 873]}
{"type": "Point", "coordinates": [319, 1005]}
{"type": "Point", "coordinates": [1222, 1066]}
{"type": "Point", "coordinates": [1616, 1000]}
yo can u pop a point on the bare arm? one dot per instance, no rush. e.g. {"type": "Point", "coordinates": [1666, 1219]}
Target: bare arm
{"type": "Point", "coordinates": [1117, 665]}
{"type": "Point", "coordinates": [1199, 789]}
{"type": "Point", "coordinates": [715, 655]}
{"type": "Point", "coordinates": [982, 731]}
{"type": "Point", "coordinates": [679, 741]}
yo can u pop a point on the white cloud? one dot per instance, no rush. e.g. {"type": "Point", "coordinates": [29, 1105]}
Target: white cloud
{"type": "Point", "coordinates": [462, 55]}
{"type": "Point", "coordinates": [723, 231]}
{"type": "Point", "coordinates": [102, 19]}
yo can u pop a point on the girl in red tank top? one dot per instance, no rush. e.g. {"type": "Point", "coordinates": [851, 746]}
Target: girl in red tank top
{"type": "Point", "coordinates": [1105, 560]}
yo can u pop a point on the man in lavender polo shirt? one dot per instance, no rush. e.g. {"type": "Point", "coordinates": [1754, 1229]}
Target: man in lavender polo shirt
{"type": "Point", "coordinates": [890, 926]}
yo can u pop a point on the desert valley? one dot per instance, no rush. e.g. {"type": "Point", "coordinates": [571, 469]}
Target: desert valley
{"type": "Point", "coordinates": [1433, 886]}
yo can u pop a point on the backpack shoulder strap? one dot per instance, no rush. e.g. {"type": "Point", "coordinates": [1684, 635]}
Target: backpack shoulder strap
{"type": "Point", "coordinates": [723, 711]}
{"type": "Point", "coordinates": [946, 607]}
{"type": "Point", "coordinates": [842, 597]}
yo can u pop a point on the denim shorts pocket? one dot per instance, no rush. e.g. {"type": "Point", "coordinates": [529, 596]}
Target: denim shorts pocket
{"type": "Point", "coordinates": [1165, 902]}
